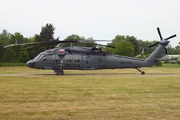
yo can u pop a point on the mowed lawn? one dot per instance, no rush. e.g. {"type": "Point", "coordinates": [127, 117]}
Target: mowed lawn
{"type": "Point", "coordinates": [101, 94]}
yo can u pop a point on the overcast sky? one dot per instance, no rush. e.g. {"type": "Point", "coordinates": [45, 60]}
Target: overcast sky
{"type": "Point", "coordinates": [100, 19]}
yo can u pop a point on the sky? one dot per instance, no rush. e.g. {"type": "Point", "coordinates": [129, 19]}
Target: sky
{"type": "Point", "coordinates": [99, 19]}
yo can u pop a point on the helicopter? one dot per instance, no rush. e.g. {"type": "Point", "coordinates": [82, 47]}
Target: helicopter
{"type": "Point", "coordinates": [171, 58]}
{"type": "Point", "coordinates": [90, 58]}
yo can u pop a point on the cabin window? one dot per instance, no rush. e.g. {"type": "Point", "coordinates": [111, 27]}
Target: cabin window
{"type": "Point", "coordinates": [55, 58]}
{"type": "Point", "coordinates": [76, 58]}
{"type": "Point", "coordinates": [67, 58]}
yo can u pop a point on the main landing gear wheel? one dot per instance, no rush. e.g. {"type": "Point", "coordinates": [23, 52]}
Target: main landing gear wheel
{"type": "Point", "coordinates": [60, 71]}
{"type": "Point", "coordinates": [142, 72]}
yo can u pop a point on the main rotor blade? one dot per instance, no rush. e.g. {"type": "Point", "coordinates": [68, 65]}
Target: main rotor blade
{"type": "Point", "coordinates": [171, 37]}
{"type": "Point", "coordinates": [106, 46]}
{"type": "Point", "coordinates": [36, 46]}
{"type": "Point", "coordinates": [11, 45]}
{"type": "Point", "coordinates": [159, 32]}
{"type": "Point", "coordinates": [29, 47]}
{"type": "Point", "coordinates": [153, 44]}
{"type": "Point", "coordinates": [54, 42]}
{"type": "Point", "coordinates": [40, 44]}
{"type": "Point", "coordinates": [31, 43]}
{"type": "Point", "coordinates": [86, 41]}
{"type": "Point", "coordinates": [110, 46]}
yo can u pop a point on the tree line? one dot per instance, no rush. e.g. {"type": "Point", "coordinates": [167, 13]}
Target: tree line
{"type": "Point", "coordinates": [124, 45]}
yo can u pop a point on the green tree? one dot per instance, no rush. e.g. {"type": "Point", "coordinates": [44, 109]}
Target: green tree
{"type": "Point", "coordinates": [23, 57]}
{"type": "Point", "coordinates": [124, 48]}
{"type": "Point", "coordinates": [134, 41]}
{"type": "Point", "coordinates": [177, 49]}
{"type": "Point", "coordinates": [18, 38]}
{"type": "Point", "coordinates": [125, 40]}
{"type": "Point", "coordinates": [131, 39]}
{"type": "Point", "coordinates": [32, 53]}
{"type": "Point", "coordinates": [170, 49]}
{"type": "Point", "coordinates": [5, 40]}
{"type": "Point", "coordinates": [119, 38]}
{"type": "Point", "coordinates": [46, 34]}
{"type": "Point", "coordinates": [144, 45]}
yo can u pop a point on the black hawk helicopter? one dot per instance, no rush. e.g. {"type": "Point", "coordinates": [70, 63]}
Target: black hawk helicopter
{"type": "Point", "coordinates": [90, 58]}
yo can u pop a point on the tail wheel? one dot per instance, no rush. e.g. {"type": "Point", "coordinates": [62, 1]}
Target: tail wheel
{"type": "Point", "coordinates": [143, 73]}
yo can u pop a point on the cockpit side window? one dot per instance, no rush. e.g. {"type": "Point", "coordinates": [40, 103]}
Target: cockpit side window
{"type": "Point", "coordinates": [41, 56]}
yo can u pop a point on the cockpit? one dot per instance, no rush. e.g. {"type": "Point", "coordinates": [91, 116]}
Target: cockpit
{"type": "Point", "coordinates": [35, 64]}
{"type": "Point", "coordinates": [41, 56]}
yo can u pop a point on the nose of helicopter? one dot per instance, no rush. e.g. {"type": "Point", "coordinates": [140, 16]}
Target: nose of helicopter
{"type": "Point", "coordinates": [30, 64]}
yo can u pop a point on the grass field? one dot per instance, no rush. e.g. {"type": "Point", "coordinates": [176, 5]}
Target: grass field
{"type": "Point", "coordinates": [99, 94]}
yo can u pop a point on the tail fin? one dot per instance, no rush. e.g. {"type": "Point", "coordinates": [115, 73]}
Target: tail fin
{"type": "Point", "coordinates": [159, 51]}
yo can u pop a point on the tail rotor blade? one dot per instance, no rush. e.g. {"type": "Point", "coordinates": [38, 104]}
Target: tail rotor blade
{"type": "Point", "coordinates": [159, 32]}
{"type": "Point", "coordinates": [171, 37]}
{"type": "Point", "coordinates": [153, 45]}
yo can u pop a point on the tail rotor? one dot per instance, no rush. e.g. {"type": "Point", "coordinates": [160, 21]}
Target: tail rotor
{"type": "Point", "coordinates": [161, 38]}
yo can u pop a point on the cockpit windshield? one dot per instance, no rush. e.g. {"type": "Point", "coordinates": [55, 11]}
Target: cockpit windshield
{"type": "Point", "coordinates": [41, 56]}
